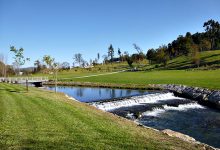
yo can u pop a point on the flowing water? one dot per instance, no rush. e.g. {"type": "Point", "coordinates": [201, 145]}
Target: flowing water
{"type": "Point", "coordinates": [159, 110]}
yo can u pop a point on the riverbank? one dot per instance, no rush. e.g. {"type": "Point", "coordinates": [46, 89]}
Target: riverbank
{"type": "Point", "coordinates": [41, 119]}
{"type": "Point", "coordinates": [105, 85]}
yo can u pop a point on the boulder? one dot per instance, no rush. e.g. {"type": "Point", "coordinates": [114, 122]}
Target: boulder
{"type": "Point", "coordinates": [178, 135]}
{"type": "Point", "coordinates": [204, 96]}
{"type": "Point", "coordinates": [214, 98]}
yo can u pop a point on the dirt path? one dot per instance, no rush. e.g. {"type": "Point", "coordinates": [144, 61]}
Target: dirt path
{"type": "Point", "coordinates": [100, 74]}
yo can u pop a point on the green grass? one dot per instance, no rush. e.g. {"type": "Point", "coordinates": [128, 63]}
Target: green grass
{"type": "Point", "coordinates": [201, 78]}
{"type": "Point", "coordinates": [208, 60]}
{"type": "Point", "coordinates": [45, 120]}
{"type": "Point", "coordinates": [175, 73]}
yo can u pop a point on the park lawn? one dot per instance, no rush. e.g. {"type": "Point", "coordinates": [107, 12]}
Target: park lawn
{"type": "Point", "coordinates": [200, 78]}
{"type": "Point", "coordinates": [41, 119]}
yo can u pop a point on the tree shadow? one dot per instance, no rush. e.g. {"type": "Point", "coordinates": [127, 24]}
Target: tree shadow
{"type": "Point", "coordinates": [11, 90]}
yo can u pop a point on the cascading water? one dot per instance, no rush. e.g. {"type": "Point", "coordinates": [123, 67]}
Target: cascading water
{"type": "Point", "coordinates": [136, 100]}
{"type": "Point", "coordinates": [154, 109]}
{"type": "Point", "coordinates": [182, 107]}
{"type": "Point", "coordinates": [165, 111]}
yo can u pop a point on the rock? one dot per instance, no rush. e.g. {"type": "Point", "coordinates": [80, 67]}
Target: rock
{"type": "Point", "coordinates": [205, 96]}
{"type": "Point", "coordinates": [214, 98]}
{"type": "Point", "coordinates": [187, 138]}
{"type": "Point", "coordinates": [178, 135]}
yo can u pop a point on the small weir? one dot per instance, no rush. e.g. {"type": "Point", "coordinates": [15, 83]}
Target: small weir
{"type": "Point", "coordinates": [165, 111]}
{"type": "Point", "coordinates": [136, 100]}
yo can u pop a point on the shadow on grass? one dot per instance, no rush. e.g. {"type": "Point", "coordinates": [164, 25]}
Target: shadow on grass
{"type": "Point", "coordinates": [14, 90]}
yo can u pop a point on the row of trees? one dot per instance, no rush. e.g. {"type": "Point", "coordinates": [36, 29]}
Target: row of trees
{"type": "Point", "coordinates": [48, 64]}
{"type": "Point", "coordinates": [189, 45]}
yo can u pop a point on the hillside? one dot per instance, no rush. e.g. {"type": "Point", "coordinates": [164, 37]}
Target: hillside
{"type": "Point", "coordinates": [208, 60]}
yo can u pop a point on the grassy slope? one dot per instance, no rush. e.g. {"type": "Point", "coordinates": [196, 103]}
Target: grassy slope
{"type": "Point", "coordinates": [44, 120]}
{"type": "Point", "coordinates": [208, 59]}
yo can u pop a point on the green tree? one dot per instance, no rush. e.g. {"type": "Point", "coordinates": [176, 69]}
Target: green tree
{"type": "Point", "coordinates": [98, 57]}
{"type": "Point", "coordinates": [129, 61]}
{"type": "Point", "coordinates": [19, 58]}
{"type": "Point", "coordinates": [137, 48]}
{"type": "Point", "coordinates": [78, 59]}
{"type": "Point", "coordinates": [196, 55]}
{"type": "Point", "coordinates": [38, 65]}
{"type": "Point", "coordinates": [204, 45]}
{"type": "Point", "coordinates": [111, 52]}
{"type": "Point", "coordinates": [3, 65]}
{"type": "Point", "coordinates": [212, 29]}
{"type": "Point", "coordinates": [162, 56]}
{"type": "Point", "coordinates": [151, 55]}
{"type": "Point", "coordinates": [49, 61]}
{"type": "Point", "coordinates": [140, 55]}
{"type": "Point", "coordinates": [65, 66]}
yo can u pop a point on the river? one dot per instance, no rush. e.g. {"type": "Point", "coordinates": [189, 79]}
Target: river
{"type": "Point", "coordinates": [160, 110]}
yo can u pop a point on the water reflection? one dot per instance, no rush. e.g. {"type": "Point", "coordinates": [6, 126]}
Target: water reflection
{"type": "Point", "coordinates": [89, 94]}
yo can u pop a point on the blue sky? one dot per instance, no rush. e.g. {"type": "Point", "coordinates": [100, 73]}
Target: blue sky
{"type": "Point", "coordinates": [61, 28]}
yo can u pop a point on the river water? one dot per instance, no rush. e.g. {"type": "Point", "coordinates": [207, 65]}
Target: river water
{"type": "Point", "coordinates": [160, 110]}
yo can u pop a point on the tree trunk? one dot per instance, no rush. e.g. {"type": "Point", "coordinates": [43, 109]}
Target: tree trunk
{"type": "Point", "coordinates": [27, 85]}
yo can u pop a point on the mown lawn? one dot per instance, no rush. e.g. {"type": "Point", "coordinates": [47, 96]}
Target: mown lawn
{"type": "Point", "coordinates": [44, 120]}
{"type": "Point", "coordinates": [201, 78]}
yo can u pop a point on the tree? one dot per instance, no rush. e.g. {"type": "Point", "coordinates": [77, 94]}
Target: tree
{"type": "Point", "coordinates": [19, 58]}
{"type": "Point", "coordinates": [162, 56]}
{"type": "Point", "coordinates": [3, 65]}
{"type": "Point", "coordinates": [65, 66]}
{"type": "Point", "coordinates": [129, 61]}
{"type": "Point", "coordinates": [38, 65]}
{"type": "Point", "coordinates": [105, 59]}
{"type": "Point", "coordinates": [137, 48]}
{"type": "Point", "coordinates": [151, 55]}
{"type": "Point", "coordinates": [111, 52]}
{"type": "Point", "coordinates": [212, 29]}
{"type": "Point", "coordinates": [204, 45]}
{"type": "Point", "coordinates": [49, 61]}
{"type": "Point", "coordinates": [98, 57]}
{"type": "Point", "coordinates": [84, 63]}
{"type": "Point", "coordinates": [78, 59]}
{"type": "Point", "coordinates": [140, 55]}
{"type": "Point", "coordinates": [196, 55]}
{"type": "Point", "coordinates": [55, 66]}
{"type": "Point", "coordinates": [119, 53]}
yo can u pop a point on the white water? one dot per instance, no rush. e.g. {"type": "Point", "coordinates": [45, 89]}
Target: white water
{"type": "Point", "coordinates": [181, 107]}
{"type": "Point", "coordinates": [136, 100]}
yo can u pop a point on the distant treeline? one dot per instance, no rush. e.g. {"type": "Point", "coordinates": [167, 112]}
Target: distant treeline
{"type": "Point", "coordinates": [189, 45]}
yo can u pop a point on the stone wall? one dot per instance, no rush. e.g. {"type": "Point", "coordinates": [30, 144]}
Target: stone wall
{"type": "Point", "coordinates": [203, 96]}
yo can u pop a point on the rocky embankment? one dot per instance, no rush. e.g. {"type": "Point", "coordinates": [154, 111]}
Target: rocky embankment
{"type": "Point", "coordinates": [203, 96]}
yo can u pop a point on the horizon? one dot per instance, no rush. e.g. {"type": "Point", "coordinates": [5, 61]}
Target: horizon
{"type": "Point", "coordinates": [62, 29]}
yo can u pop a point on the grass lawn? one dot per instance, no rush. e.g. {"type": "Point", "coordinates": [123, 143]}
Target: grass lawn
{"type": "Point", "coordinates": [176, 74]}
{"type": "Point", "coordinates": [44, 120]}
{"type": "Point", "coordinates": [201, 78]}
